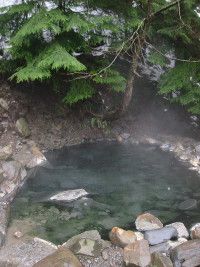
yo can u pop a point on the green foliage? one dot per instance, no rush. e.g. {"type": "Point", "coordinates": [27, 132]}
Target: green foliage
{"type": "Point", "coordinates": [79, 90]}
{"type": "Point", "coordinates": [157, 59]}
{"type": "Point", "coordinates": [99, 123]}
{"type": "Point", "coordinates": [184, 80]}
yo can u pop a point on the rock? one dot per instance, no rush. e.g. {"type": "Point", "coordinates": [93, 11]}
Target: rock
{"type": "Point", "coordinates": [188, 204]}
{"type": "Point", "coordinates": [125, 135]}
{"type": "Point", "coordinates": [122, 238]}
{"type": "Point", "coordinates": [69, 195]}
{"type": "Point", "coordinates": [159, 260]}
{"type": "Point", "coordinates": [22, 127]}
{"type": "Point", "coordinates": [4, 104]}
{"type": "Point", "coordinates": [158, 236]}
{"type": "Point", "coordinates": [186, 254]}
{"type": "Point", "coordinates": [12, 169]}
{"type": "Point", "coordinates": [25, 253]}
{"type": "Point", "coordinates": [88, 243]}
{"type": "Point", "coordinates": [4, 216]}
{"type": "Point", "coordinates": [18, 234]}
{"type": "Point", "coordinates": [30, 157]}
{"type": "Point", "coordinates": [147, 221]}
{"type": "Point", "coordinates": [61, 258]}
{"type": "Point", "coordinates": [137, 254]}
{"type": "Point", "coordinates": [5, 152]}
{"type": "Point", "coordinates": [181, 229]}
{"type": "Point", "coordinates": [195, 231]}
{"type": "Point", "coordinates": [167, 246]}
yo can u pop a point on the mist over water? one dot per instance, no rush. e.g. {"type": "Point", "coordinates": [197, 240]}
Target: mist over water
{"type": "Point", "coordinates": [122, 180]}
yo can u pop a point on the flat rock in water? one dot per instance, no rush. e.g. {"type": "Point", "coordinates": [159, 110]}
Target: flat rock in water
{"type": "Point", "coordinates": [159, 260]}
{"type": "Point", "coordinates": [122, 238]}
{"type": "Point", "coordinates": [158, 236]}
{"type": "Point", "coordinates": [186, 254]}
{"type": "Point", "coordinates": [147, 221]}
{"type": "Point", "coordinates": [188, 204]}
{"type": "Point", "coordinates": [69, 195]}
{"type": "Point", "coordinates": [195, 231]}
{"type": "Point", "coordinates": [63, 257]}
{"type": "Point", "coordinates": [137, 254]}
{"type": "Point", "coordinates": [181, 229]}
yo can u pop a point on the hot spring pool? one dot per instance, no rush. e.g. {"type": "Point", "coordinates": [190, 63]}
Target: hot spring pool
{"type": "Point", "coordinates": [123, 181]}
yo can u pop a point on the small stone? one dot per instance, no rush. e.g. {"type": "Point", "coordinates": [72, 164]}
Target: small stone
{"type": "Point", "coordinates": [18, 234]}
{"type": "Point", "coordinates": [4, 104]}
{"type": "Point", "coordinates": [137, 254]}
{"type": "Point", "coordinates": [5, 152]}
{"type": "Point", "coordinates": [147, 221]}
{"type": "Point", "coordinates": [195, 231]}
{"type": "Point", "coordinates": [188, 204]}
{"type": "Point", "coordinates": [181, 229]}
{"type": "Point", "coordinates": [159, 260]}
{"type": "Point", "coordinates": [122, 238]}
{"type": "Point", "coordinates": [158, 236]}
{"type": "Point", "coordinates": [22, 127]}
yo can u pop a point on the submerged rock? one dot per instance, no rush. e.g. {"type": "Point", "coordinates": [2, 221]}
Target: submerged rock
{"type": "Point", "coordinates": [122, 238]}
{"type": "Point", "coordinates": [158, 236]}
{"type": "Point", "coordinates": [147, 221]}
{"type": "Point", "coordinates": [186, 254]}
{"type": "Point", "coordinates": [69, 195]}
{"type": "Point", "coordinates": [160, 260]}
{"type": "Point", "coordinates": [195, 231]}
{"type": "Point", "coordinates": [61, 258]}
{"type": "Point", "coordinates": [181, 229]}
{"type": "Point", "coordinates": [188, 204]}
{"type": "Point", "coordinates": [22, 127]}
{"type": "Point", "coordinates": [137, 254]}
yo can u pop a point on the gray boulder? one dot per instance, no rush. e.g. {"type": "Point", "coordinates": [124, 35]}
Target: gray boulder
{"type": "Point", "coordinates": [158, 236]}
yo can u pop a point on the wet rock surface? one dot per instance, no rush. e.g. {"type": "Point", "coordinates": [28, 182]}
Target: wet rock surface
{"type": "Point", "coordinates": [69, 195]}
{"type": "Point", "coordinates": [137, 254]}
{"type": "Point", "coordinates": [147, 221]}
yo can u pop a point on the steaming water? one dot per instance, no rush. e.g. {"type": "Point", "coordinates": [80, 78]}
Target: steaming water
{"type": "Point", "coordinates": [123, 181]}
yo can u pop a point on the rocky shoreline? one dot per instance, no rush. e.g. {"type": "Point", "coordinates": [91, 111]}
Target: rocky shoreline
{"type": "Point", "coordinates": [151, 245]}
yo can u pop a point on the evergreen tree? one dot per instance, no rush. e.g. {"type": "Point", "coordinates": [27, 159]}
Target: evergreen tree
{"type": "Point", "coordinates": [54, 41]}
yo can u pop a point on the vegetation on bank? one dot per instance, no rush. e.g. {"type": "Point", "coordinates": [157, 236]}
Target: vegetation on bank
{"type": "Point", "coordinates": [74, 46]}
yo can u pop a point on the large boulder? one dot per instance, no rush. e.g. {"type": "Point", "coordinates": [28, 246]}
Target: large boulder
{"type": "Point", "coordinates": [137, 254]}
{"type": "Point", "coordinates": [122, 238]}
{"type": "Point", "coordinates": [68, 196]}
{"type": "Point", "coordinates": [63, 257]}
{"type": "Point", "coordinates": [160, 260]}
{"type": "Point", "coordinates": [186, 254]}
{"type": "Point", "coordinates": [30, 156]}
{"type": "Point", "coordinates": [22, 127]}
{"type": "Point", "coordinates": [162, 235]}
{"type": "Point", "coordinates": [5, 152]}
{"type": "Point", "coordinates": [147, 221]}
{"type": "Point", "coordinates": [25, 253]}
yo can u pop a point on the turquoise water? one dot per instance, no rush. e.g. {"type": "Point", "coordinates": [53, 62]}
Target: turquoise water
{"type": "Point", "coordinates": [123, 181]}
